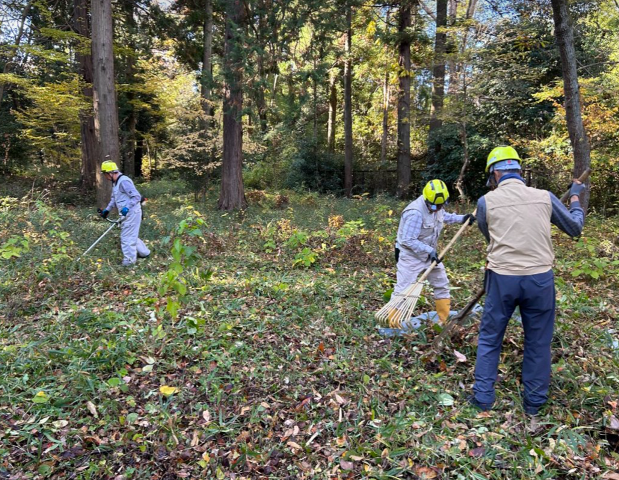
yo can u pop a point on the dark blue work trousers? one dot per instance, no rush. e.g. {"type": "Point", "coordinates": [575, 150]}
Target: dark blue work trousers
{"type": "Point", "coordinates": [535, 295]}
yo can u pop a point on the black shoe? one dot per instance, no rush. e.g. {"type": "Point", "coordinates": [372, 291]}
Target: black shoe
{"type": "Point", "coordinates": [531, 410]}
{"type": "Point", "coordinates": [484, 407]}
{"type": "Point", "coordinates": [145, 256]}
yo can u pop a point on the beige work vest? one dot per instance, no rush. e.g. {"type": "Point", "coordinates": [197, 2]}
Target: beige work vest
{"type": "Point", "coordinates": [431, 226]}
{"type": "Point", "coordinates": [518, 220]}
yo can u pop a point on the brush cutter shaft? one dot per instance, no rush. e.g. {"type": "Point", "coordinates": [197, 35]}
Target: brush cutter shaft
{"type": "Point", "coordinates": [113, 224]}
{"type": "Point", "coordinates": [583, 178]}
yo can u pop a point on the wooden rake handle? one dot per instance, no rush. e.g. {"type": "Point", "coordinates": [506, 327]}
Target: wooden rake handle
{"type": "Point", "coordinates": [445, 250]}
{"type": "Point", "coordinates": [583, 178]}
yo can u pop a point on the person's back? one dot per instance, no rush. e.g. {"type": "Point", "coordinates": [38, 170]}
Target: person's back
{"type": "Point", "coordinates": [518, 219]}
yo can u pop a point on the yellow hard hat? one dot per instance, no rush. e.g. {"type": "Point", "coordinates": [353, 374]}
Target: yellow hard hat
{"type": "Point", "coordinates": [108, 167]}
{"type": "Point", "coordinates": [501, 153]}
{"type": "Point", "coordinates": [436, 192]}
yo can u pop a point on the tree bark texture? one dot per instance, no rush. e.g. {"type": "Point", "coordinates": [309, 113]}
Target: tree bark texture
{"type": "Point", "coordinates": [132, 119]}
{"type": "Point", "coordinates": [386, 95]}
{"type": "Point", "coordinates": [438, 79]}
{"type": "Point", "coordinates": [404, 99]}
{"type": "Point", "coordinates": [206, 83]}
{"type": "Point", "coordinates": [104, 92]}
{"type": "Point", "coordinates": [348, 147]}
{"type": "Point", "coordinates": [332, 110]}
{"type": "Point", "coordinates": [232, 195]}
{"type": "Point", "coordinates": [578, 136]}
{"type": "Point", "coordinates": [89, 143]}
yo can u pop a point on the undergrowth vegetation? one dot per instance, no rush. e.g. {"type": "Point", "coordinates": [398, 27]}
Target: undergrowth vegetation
{"type": "Point", "coordinates": [245, 347]}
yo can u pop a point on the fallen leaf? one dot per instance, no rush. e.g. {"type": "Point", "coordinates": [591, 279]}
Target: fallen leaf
{"type": "Point", "coordinates": [206, 415]}
{"type": "Point", "coordinates": [614, 423]}
{"type": "Point", "coordinates": [167, 391]}
{"type": "Point", "coordinates": [294, 445]}
{"type": "Point", "coordinates": [611, 476]}
{"type": "Point", "coordinates": [477, 452]}
{"type": "Point", "coordinates": [40, 397]}
{"type": "Point", "coordinates": [425, 472]}
{"type": "Point", "coordinates": [346, 465]}
{"type": "Point", "coordinates": [92, 409]}
{"type": "Point", "coordinates": [460, 357]}
{"type": "Point", "coordinates": [446, 400]}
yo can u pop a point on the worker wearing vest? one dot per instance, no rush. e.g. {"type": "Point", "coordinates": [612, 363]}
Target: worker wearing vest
{"type": "Point", "coordinates": [516, 220]}
{"type": "Point", "coordinates": [420, 227]}
{"type": "Point", "coordinates": [127, 200]}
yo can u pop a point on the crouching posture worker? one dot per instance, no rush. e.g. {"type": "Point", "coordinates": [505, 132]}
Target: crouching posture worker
{"type": "Point", "coordinates": [127, 200]}
{"type": "Point", "coordinates": [516, 219]}
{"type": "Point", "coordinates": [420, 227]}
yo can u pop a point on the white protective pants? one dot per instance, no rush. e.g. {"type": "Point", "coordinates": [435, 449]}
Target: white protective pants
{"type": "Point", "coordinates": [132, 247]}
{"type": "Point", "coordinates": [410, 267]}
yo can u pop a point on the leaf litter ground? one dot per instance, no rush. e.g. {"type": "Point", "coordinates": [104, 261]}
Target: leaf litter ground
{"type": "Point", "coordinates": [273, 367]}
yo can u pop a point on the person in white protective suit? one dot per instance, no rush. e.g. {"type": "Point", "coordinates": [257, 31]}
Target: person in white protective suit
{"type": "Point", "coordinates": [420, 227]}
{"type": "Point", "coordinates": [128, 201]}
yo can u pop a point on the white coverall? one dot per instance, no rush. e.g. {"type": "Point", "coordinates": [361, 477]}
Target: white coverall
{"type": "Point", "coordinates": [418, 234]}
{"type": "Point", "coordinates": [124, 194]}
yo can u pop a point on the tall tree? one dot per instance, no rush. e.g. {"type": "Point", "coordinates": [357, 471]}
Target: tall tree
{"type": "Point", "coordinates": [386, 98]}
{"type": "Point", "coordinates": [232, 195]}
{"type": "Point", "coordinates": [578, 136]}
{"type": "Point", "coordinates": [89, 142]}
{"type": "Point", "coordinates": [438, 78]}
{"type": "Point", "coordinates": [331, 122]}
{"type": "Point", "coordinates": [206, 79]}
{"type": "Point", "coordinates": [104, 92]}
{"type": "Point", "coordinates": [404, 99]}
{"type": "Point", "coordinates": [348, 146]}
{"type": "Point", "coordinates": [130, 140]}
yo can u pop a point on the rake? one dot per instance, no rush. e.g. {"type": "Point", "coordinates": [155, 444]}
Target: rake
{"type": "Point", "coordinates": [402, 305]}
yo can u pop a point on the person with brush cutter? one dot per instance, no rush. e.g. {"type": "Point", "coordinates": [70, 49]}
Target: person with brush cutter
{"type": "Point", "coordinates": [516, 220]}
{"type": "Point", "coordinates": [128, 201]}
{"type": "Point", "coordinates": [420, 227]}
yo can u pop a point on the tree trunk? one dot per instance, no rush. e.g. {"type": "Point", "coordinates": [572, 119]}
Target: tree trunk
{"type": "Point", "coordinates": [465, 164]}
{"type": "Point", "coordinates": [206, 83]}
{"type": "Point", "coordinates": [404, 97]}
{"type": "Point", "coordinates": [332, 110]}
{"type": "Point", "coordinates": [348, 154]}
{"type": "Point", "coordinates": [386, 95]}
{"type": "Point", "coordinates": [438, 80]}
{"type": "Point", "coordinates": [104, 92]}
{"type": "Point", "coordinates": [132, 120]}
{"type": "Point", "coordinates": [89, 143]}
{"type": "Point", "coordinates": [232, 195]}
{"type": "Point", "coordinates": [385, 135]}
{"type": "Point", "coordinates": [578, 136]}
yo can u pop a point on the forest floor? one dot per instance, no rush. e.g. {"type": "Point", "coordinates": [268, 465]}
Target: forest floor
{"type": "Point", "coordinates": [246, 347]}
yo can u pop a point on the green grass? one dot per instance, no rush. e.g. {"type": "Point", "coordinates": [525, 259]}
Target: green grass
{"type": "Point", "coordinates": [279, 368]}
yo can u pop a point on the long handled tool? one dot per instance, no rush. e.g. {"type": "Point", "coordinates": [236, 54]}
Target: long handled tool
{"type": "Point", "coordinates": [114, 223]}
{"type": "Point", "coordinates": [401, 305]}
{"type": "Point", "coordinates": [460, 318]}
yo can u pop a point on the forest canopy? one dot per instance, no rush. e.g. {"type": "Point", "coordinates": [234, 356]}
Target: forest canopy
{"type": "Point", "coordinates": [344, 97]}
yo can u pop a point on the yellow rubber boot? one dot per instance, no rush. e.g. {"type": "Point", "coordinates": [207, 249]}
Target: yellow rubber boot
{"type": "Point", "coordinates": [442, 309]}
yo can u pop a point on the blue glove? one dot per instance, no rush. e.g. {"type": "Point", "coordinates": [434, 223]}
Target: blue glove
{"type": "Point", "coordinates": [124, 211]}
{"type": "Point", "coordinates": [577, 188]}
{"type": "Point", "coordinates": [470, 218]}
{"type": "Point", "coordinates": [434, 257]}
{"type": "Point", "coordinates": [104, 213]}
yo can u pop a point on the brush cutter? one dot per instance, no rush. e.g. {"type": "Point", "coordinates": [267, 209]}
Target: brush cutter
{"type": "Point", "coordinates": [402, 305]}
{"type": "Point", "coordinates": [114, 223]}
